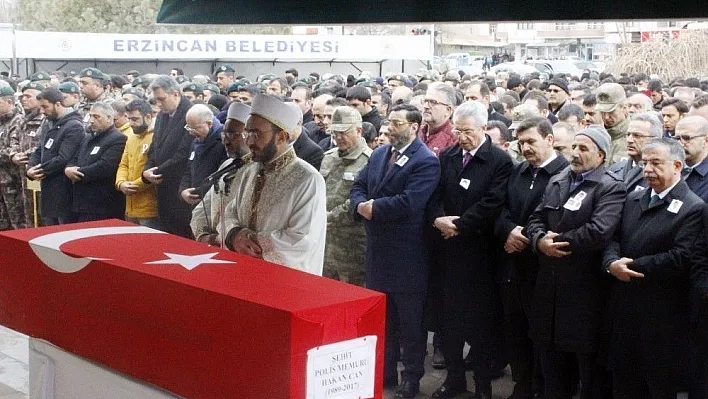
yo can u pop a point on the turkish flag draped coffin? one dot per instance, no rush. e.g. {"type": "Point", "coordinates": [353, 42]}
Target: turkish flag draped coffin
{"type": "Point", "coordinates": [195, 320]}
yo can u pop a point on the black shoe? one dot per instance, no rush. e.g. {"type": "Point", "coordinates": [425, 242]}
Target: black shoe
{"type": "Point", "coordinates": [391, 382]}
{"type": "Point", "coordinates": [482, 390]}
{"type": "Point", "coordinates": [450, 389]}
{"type": "Point", "coordinates": [438, 359]}
{"type": "Point", "coordinates": [408, 389]}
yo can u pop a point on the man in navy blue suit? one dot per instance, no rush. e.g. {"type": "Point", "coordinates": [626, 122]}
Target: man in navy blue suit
{"type": "Point", "coordinates": [391, 194]}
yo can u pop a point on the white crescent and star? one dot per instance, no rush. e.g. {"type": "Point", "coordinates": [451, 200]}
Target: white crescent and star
{"type": "Point", "coordinates": [47, 249]}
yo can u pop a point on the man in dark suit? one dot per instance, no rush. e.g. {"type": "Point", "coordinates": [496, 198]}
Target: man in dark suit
{"type": "Point", "coordinates": [651, 353]}
{"type": "Point", "coordinates": [642, 128]}
{"type": "Point", "coordinates": [390, 195]}
{"type": "Point", "coordinates": [57, 147]}
{"type": "Point", "coordinates": [518, 266]}
{"type": "Point", "coordinates": [304, 147]}
{"type": "Point", "coordinates": [574, 222]}
{"type": "Point", "coordinates": [167, 157]}
{"type": "Point", "coordinates": [93, 168]}
{"type": "Point", "coordinates": [463, 208]}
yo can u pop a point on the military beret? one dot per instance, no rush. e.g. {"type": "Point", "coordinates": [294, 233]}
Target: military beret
{"type": "Point", "coordinates": [181, 79]}
{"type": "Point", "coordinates": [133, 73]}
{"type": "Point", "coordinates": [133, 91]}
{"type": "Point", "coordinates": [266, 76]}
{"type": "Point", "coordinates": [37, 76]}
{"type": "Point", "coordinates": [34, 86]}
{"type": "Point", "coordinates": [141, 81]}
{"type": "Point", "coordinates": [6, 91]}
{"type": "Point", "coordinates": [235, 86]}
{"type": "Point", "coordinates": [193, 87]}
{"type": "Point", "coordinates": [399, 77]}
{"type": "Point", "coordinates": [225, 68]}
{"type": "Point", "coordinates": [92, 73]}
{"type": "Point", "coordinates": [212, 87]}
{"type": "Point", "coordinates": [69, 88]}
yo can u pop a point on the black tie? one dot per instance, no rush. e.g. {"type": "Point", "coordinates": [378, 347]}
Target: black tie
{"type": "Point", "coordinates": [654, 199]}
{"type": "Point", "coordinates": [392, 160]}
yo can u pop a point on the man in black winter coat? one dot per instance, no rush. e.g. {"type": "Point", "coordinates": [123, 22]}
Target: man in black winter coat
{"type": "Point", "coordinates": [518, 266]}
{"type": "Point", "coordinates": [93, 168]}
{"type": "Point", "coordinates": [207, 153]}
{"type": "Point", "coordinates": [167, 157]}
{"type": "Point", "coordinates": [56, 148]}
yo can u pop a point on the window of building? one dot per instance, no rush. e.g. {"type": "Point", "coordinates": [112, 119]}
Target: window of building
{"type": "Point", "coordinates": [525, 26]}
{"type": "Point", "coordinates": [492, 29]}
{"type": "Point", "coordinates": [565, 25]}
{"type": "Point", "coordinates": [595, 25]}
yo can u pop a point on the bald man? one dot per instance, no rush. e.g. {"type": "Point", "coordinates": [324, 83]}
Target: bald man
{"type": "Point", "coordinates": [692, 133]}
{"type": "Point", "coordinates": [639, 103]}
{"type": "Point", "coordinates": [401, 95]}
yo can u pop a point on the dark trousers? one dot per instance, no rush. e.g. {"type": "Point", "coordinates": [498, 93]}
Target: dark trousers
{"type": "Point", "coordinates": [50, 221]}
{"type": "Point", "coordinates": [525, 362]}
{"type": "Point", "coordinates": [632, 385]}
{"type": "Point", "coordinates": [404, 330]}
{"type": "Point", "coordinates": [558, 374]}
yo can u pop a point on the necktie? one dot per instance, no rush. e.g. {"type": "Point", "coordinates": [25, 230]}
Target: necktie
{"type": "Point", "coordinates": [686, 171]}
{"type": "Point", "coordinates": [392, 160]}
{"type": "Point", "coordinates": [654, 199]}
{"type": "Point", "coordinates": [466, 159]}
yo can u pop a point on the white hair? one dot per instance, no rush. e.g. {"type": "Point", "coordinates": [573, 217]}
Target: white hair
{"type": "Point", "coordinates": [201, 112]}
{"type": "Point", "coordinates": [471, 110]}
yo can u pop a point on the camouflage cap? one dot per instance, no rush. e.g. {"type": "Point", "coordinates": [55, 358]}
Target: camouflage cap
{"type": "Point", "coordinates": [193, 87]}
{"type": "Point", "coordinates": [225, 68]}
{"type": "Point", "coordinates": [33, 86]}
{"type": "Point", "coordinates": [453, 76]}
{"type": "Point", "coordinates": [522, 112]}
{"type": "Point", "coordinates": [345, 118]}
{"type": "Point", "coordinates": [212, 87]}
{"type": "Point", "coordinates": [6, 91]}
{"type": "Point", "coordinates": [133, 91]}
{"type": "Point", "coordinates": [181, 79]}
{"type": "Point", "coordinates": [38, 76]}
{"type": "Point", "coordinates": [609, 96]}
{"type": "Point", "coordinates": [92, 73]}
{"type": "Point", "coordinates": [69, 88]}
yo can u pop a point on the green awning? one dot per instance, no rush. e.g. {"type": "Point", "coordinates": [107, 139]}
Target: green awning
{"type": "Point", "coordinates": [337, 12]}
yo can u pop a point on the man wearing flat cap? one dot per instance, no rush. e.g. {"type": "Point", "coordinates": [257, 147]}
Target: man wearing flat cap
{"type": "Point", "coordinates": [279, 210]}
{"type": "Point", "coordinates": [575, 221]}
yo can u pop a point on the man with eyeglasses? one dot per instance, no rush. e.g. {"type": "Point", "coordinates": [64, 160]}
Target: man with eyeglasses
{"type": "Point", "coordinates": [642, 128]}
{"type": "Point", "coordinates": [556, 93]}
{"type": "Point", "coordinates": [438, 103]}
{"type": "Point", "coordinates": [207, 217]}
{"type": "Point", "coordinates": [167, 156]}
{"type": "Point", "coordinates": [328, 142]}
{"type": "Point", "coordinates": [692, 134]}
{"type": "Point", "coordinates": [651, 354]}
{"type": "Point", "coordinates": [279, 208]}
{"type": "Point", "coordinates": [345, 248]}
{"type": "Point", "coordinates": [390, 195]}
{"type": "Point", "coordinates": [207, 152]}
{"type": "Point", "coordinates": [463, 209]}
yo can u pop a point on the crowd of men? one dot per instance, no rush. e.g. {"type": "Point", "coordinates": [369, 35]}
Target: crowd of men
{"type": "Point", "coordinates": [557, 225]}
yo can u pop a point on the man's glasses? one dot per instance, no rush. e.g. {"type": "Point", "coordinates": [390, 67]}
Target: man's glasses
{"type": "Point", "coordinates": [432, 102]}
{"type": "Point", "coordinates": [253, 133]}
{"type": "Point", "coordinates": [686, 137]}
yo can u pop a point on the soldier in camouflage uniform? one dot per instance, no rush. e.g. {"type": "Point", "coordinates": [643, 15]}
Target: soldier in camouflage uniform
{"type": "Point", "coordinates": [29, 136]}
{"type": "Point", "coordinates": [12, 200]}
{"type": "Point", "coordinates": [92, 88]}
{"type": "Point", "coordinates": [71, 93]}
{"type": "Point", "coordinates": [345, 250]}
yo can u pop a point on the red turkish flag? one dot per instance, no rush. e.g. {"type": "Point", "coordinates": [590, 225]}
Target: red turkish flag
{"type": "Point", "coordinates": [195, 320]}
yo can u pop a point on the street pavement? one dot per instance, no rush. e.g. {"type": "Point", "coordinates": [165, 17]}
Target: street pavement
{"type": "Point", "coordinates": [14, 372]}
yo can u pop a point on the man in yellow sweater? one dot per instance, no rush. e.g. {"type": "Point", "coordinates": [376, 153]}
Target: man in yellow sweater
{"type": "Point", "coordinates": [140, 198]}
